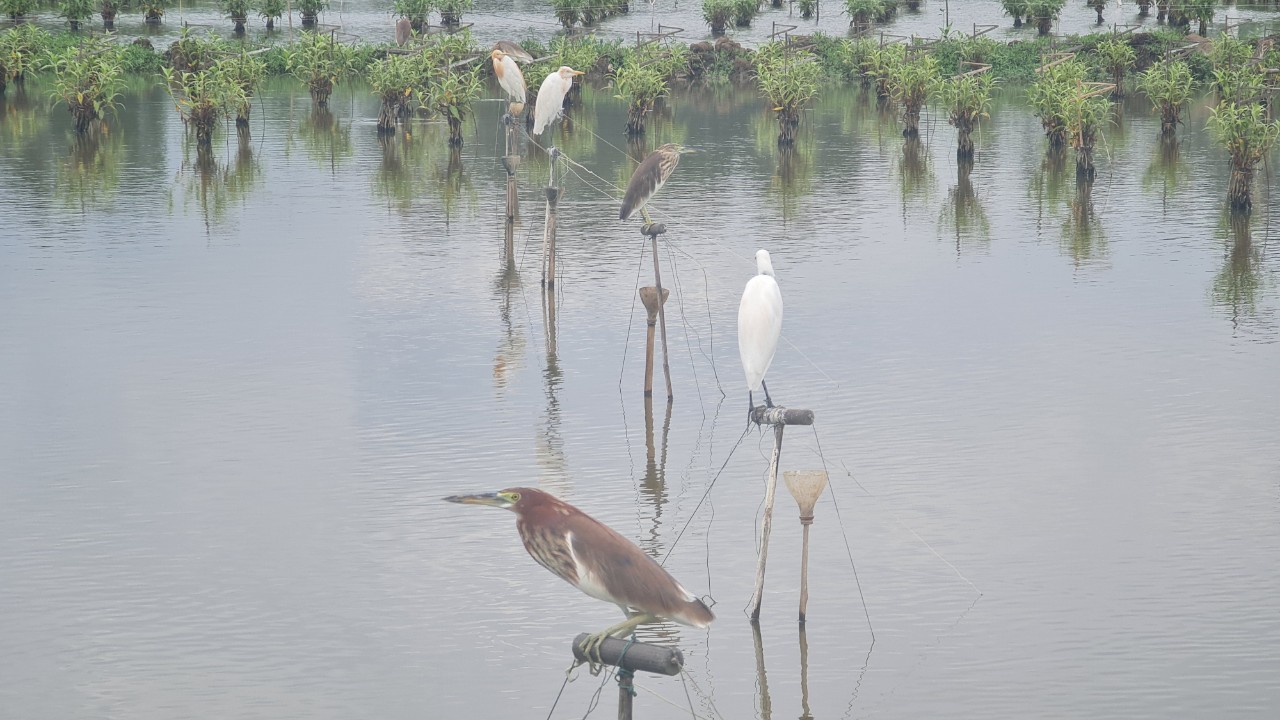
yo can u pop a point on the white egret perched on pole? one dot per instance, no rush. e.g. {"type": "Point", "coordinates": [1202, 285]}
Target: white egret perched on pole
{"type": "Point", "coordinates": [509, 76]}
{"type": "Point", "coordinates": [759, 326]}
{"type": "Point", "coordinates": [550, 101]}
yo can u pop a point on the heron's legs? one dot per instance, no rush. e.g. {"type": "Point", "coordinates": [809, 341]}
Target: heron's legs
{"type": "Point", "coordinates": [644, 213]}
{"type": "Point", "coordinates": [591, 644]}
{"type": "Point", "coordinates": [767, 401]}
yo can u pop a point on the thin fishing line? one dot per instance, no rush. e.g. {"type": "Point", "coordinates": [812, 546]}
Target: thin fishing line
{"type": "Point", "coordinates": [844, 533]}
{"type": "Point", "coordinates": [567, 676]}
{"type": "Point", "coordinates": [650, 691]}
{"type": "Point", "coordinates": [703, 499]}
{"type": "Point", "coordinates": [693, 366]}
{"type": "Point", "coordinates": [595, 698]}
{"type": "Point", "coordinates": [684, 674]}
{"type": "Point", "coordinates": [913, 532]}
{"type": "Point", "coordinates": [689, 326]}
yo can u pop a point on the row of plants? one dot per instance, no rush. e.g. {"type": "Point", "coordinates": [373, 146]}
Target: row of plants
{"type": "Point", "coordinates": [1043, 13]}
{"type": "Point", "coordinates": [79, 12]}
{"type": "Point", "coordinates": [1071, 94]}
{"type": "Point", "coordinates": [431, 81]}
{"type": "Point", "coordinates": [720, 13]}
{"type": "Point", "coordinates": [418, 12]}
{"type": "Point", "coordinates": [587, 12]}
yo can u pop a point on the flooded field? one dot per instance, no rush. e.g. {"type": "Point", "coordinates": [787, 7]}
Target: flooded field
{"type": "Point", "coordinates": [234, 389]}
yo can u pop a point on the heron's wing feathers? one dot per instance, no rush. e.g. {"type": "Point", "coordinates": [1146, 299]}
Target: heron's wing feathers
{"type": "Point", "coordinates": [512, 80]}
{"type": "Point", "coordinates": [645, 181]}
{"type": "Point", "coordinates": [514, 50]}
{"type": "Point", "coordinates": [627, 576]}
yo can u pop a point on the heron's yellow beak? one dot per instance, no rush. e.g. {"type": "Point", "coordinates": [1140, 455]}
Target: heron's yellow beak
{"type": "Point", "coordinates": [579, 72]}
{"type": "Point", "coordinates": [493, 499]}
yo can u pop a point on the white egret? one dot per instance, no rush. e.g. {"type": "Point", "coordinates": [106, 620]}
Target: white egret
{"type": "Point", "coordinates": [759, 325]}
{"type": "Point", "coordinates": [550, 101]}
{"type": "Point", "coordinates": [509, 75]}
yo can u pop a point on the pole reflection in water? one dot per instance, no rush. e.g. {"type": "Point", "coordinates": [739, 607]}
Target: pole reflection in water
{"type": "Point", "coordinates": [550, 445]}
{"type": "Point", "coordinates": [762, 681]}
{"type": "Point", "coordinates": [511, 348]}
{"type": "Point", "coordinates": [654, 485]}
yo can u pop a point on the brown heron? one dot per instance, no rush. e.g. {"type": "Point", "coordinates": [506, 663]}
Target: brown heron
{"type": "Point", "coordinates": [594, 558]}
{"type": "Point", "coordinates": [404, 31]}
{"type": "Point", "coordinates": [513, 49]}
{"type": "Point", "coordinates": [550, 101]}
{"type": "Point", "coordinates": [649, 177]}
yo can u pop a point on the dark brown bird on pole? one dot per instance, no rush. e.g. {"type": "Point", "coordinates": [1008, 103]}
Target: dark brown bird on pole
{"type": "Point", "coordinates": [594, 558]}
{"type": "Point", "coordinates": [649, 177]}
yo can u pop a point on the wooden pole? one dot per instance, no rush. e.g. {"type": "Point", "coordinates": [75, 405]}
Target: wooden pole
{"type": "Point", "coordinates": [805, 522]}
{"type": "Point", "coordinates": [633, 656]}
{"type": "Point", "coordinates": [549, 229]}
{"type": "Point", "coordinates": [804, 676]}
{"type": "Point", "coordinates": [553, 197]}
{"type": "Point", "coordinates": [653, 230]}
{"type": "Point", "coordinates": [649, 296]}
{"type": "Point", "coordinates": [779, 418]}
{"type": "Point", "coordinates": [767, 525]}
{"type": "Point", "coordinates": [511, 162]}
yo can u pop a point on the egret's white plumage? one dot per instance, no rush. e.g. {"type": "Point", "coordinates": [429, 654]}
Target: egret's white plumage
{"type": "Point", "coordinates": [550, 101]}
{"type": "Point", "coordinates": [759, 324]}
{"type": "Point", "coordinates": [509, 76]}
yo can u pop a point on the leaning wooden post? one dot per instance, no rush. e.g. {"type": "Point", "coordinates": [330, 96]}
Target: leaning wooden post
{"type": "Point", "coordinates": [629, 656]}
{"type": "Point", "coordinates": [549, 229]}
{"type": "Point", "coordinates": [779, 418]}
{"type": "Point", "coordinates": [652, 231]}
{"type": "Point", "coordinates": [649, 296]}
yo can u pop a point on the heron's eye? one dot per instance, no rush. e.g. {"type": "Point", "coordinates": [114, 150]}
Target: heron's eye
{"type": "Point", "coordinates": [513, 497]}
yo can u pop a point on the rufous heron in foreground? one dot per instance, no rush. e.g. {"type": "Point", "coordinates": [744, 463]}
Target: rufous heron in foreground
{"type": "Point", "coordinates": [594, 558]}
{"type": "Point", "coordinates": [649, 178]}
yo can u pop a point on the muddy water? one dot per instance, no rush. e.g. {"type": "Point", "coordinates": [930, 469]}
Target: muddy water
{"type": "Point", "coordinates": [233, 390]}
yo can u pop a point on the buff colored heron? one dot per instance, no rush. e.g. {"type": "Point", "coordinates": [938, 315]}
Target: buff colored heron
{"type": "Point", "coordinates": [759, 326]}
{"type": "Point", "coordinates": [509, 76]}
{"type": "Point", "coordinates": [594, 558]}
{"type": "Point", "coordinates": [550, 101]}
{"type": "Point", "coordinates": [649, 177]}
